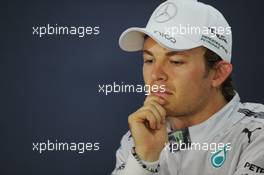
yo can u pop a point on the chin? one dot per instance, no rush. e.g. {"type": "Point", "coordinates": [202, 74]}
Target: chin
{"type": "Point", "coordinates": [169, 110]}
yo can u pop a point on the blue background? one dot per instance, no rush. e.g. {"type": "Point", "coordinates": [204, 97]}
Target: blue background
{"type": "Point", "coordinates": [49, 85]}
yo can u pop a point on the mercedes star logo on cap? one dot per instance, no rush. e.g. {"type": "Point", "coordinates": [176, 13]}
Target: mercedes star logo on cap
{"type": "Point", "coordinates": [165, 12]}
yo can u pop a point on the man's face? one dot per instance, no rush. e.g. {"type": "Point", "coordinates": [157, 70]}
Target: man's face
{"type": "Point", "coordinates": [184, 75]}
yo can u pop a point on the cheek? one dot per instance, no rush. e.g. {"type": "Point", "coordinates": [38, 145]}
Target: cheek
{"type": "Point", "coordinates": [196, 75]}
{"type": "Point", "coordinates": [146, 74]}
{"type": "Point", "coordinates": [198, 82]}
{"type": "Point", "coordinates": [190, 78]}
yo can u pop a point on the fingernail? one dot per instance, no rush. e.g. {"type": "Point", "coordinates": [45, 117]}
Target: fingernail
{"type": "Point", "coordinates": [162, 101]}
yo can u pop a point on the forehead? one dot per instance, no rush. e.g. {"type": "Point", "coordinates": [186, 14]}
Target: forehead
{"type": "Point", "coordinates": [151, 46]}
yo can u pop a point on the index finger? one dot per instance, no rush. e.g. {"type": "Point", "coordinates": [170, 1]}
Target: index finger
{"type": "Point", "coordinates": [154, 98]}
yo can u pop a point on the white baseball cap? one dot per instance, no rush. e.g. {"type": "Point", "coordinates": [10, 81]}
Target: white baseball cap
{"type": "Point", "coordinates": [181, 25]}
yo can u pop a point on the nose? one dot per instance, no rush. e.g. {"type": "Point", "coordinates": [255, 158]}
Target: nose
{"type": "Point", "coordinates": [158, 73]}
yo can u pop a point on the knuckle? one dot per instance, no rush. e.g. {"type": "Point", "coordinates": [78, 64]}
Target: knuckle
{"type": "Point", "coordinates": [131, 118]}
{"type": "Point", "coordinates": [163, 112]}
{"type": "Point", "coordinates": [149, 113]}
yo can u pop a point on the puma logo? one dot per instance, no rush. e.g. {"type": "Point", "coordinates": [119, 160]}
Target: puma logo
{"type": "Point", "coordinates": [249, 133]}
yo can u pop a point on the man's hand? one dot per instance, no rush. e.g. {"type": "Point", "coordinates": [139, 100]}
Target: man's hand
{"type": "Point", "coordinates": [148, 128]}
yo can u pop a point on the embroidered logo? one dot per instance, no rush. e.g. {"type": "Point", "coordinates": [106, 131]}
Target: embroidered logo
{"type": "Point", "coordinates": [218, 158]}
{"type": "Point", "coordinates": [249, 133]}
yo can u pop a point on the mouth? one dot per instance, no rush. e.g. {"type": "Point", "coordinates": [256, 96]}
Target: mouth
{"type": "Point", "coordinates": [162, 94]}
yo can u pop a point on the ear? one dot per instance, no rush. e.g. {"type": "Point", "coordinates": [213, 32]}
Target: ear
{"type": "Point", "coordinates": [222, 70]}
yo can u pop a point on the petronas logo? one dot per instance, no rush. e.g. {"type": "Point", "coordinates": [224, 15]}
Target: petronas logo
{"type": "Point", "coordinates": [218, 158]}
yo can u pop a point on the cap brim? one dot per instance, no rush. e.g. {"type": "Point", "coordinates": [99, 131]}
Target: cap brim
{"type": "Point", "coordinates": [132, 39]}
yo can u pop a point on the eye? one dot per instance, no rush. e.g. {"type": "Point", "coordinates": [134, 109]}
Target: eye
{"type": "Point", "coordinates": [176, 62]}
{"type": "Point", "coordinates": [148, 60]}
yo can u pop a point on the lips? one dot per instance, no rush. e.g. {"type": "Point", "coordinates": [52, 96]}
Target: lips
{"type": "Point", "coordinates": [162, 93]}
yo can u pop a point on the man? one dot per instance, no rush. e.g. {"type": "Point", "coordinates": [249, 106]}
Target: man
{"type": "Point", "coordinates": [197, 125]}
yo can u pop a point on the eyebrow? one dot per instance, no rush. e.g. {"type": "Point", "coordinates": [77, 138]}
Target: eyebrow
{"type": "Point", "coordinates": [147, 52]}
{"type": "Point", "coordinates": [167, 54]}
{"type": "Point", "coordinates": [172, 53]}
